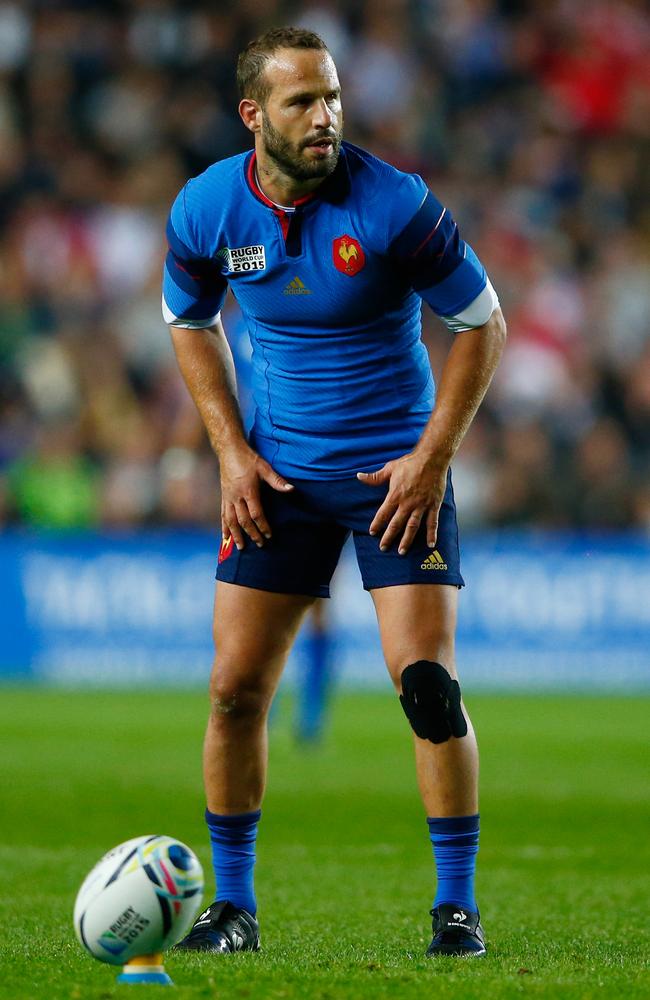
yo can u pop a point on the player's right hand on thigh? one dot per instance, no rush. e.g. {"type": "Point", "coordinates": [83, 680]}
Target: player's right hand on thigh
{"type": "Point", "coordinates": [242, 470]}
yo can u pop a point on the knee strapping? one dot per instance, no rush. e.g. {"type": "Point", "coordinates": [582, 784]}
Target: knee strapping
{"type": "Point", "coordinates": [431, 702]}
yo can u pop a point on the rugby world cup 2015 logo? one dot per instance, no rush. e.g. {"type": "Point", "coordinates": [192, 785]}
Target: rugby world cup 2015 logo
{"type": "Point", "coordinates": [348, 255]}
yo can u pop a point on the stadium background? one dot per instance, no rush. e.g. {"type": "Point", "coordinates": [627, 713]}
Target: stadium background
{"type": "Point", "coordinates": [529, 120]}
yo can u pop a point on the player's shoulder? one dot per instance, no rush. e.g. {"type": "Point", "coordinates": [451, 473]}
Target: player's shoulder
{"type": "Point", "coordinates": [389, 196]}
{"type": "Point", "coordinates": [204, 203]}
{"type": "Point", "coordinates": [376, 177]}
{"type": "Point", "coordinates": [217, 182]}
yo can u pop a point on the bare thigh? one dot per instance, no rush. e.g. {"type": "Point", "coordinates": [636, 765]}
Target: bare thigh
{"type": "Point", "coordinates": [416, 622]}
{"type": "Point", "coordinates": [253, 633]}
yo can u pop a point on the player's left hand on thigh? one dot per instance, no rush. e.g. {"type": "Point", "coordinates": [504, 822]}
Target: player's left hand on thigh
{"type": "Point", "coordinates": [416, 490]}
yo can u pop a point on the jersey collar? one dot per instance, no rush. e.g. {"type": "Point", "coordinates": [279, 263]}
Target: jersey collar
{"type": "Point", "coordinates": [251, 177]}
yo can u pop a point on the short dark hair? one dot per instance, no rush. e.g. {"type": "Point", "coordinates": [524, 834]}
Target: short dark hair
{"type": "Point", "coordinates": [252, 61]}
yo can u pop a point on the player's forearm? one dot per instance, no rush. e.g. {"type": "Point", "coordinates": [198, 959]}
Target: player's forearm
{"type": "Point", "coordinates": [465, 378]}
{"type": "Point", "coordinates": [205, 361]}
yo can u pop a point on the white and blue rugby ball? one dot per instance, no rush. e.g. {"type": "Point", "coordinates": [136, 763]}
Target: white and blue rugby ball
{"type": "Point", "coordinates": [139, 899]}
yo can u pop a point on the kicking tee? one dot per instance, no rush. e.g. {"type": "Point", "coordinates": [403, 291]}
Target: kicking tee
{"type": "Point", "coordinates": [331, 293]}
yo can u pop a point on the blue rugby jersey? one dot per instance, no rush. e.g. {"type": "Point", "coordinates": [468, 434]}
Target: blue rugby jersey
{"type": "Point", "coordinates": [331, 294]}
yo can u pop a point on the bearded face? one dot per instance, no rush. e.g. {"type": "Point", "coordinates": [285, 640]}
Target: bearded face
{"type": "Point", "coordinates": [313, 157]}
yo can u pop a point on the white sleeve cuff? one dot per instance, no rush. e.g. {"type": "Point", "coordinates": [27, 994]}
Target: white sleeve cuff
{"type": "Point", "coordinates": [186, 324]}
{"type": "Point", "coordinates": [476, 313]}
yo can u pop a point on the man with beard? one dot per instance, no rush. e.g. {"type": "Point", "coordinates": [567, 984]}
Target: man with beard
{"type": "Point", "coordinates": [329, 252]}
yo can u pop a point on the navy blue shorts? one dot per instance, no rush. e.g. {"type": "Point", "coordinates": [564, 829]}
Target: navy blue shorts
{"type": "Point", "coordinates": [310, 526]}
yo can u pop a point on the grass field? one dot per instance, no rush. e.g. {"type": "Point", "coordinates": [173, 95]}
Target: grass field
{"type": "Point", "coordinates": [344, 874]}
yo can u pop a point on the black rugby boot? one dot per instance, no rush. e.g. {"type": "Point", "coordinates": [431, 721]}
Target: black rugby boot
{"type": "Point", "coordinates": [456, 932]}
{"type": "Point", "coordinates": [223, 928]}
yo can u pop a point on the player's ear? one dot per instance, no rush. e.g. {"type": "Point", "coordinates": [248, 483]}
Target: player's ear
{"type": "Point", "coordinates": [251, 114]}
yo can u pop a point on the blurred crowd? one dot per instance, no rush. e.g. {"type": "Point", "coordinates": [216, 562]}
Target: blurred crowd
{"type": "Point", "coordinates": [529, 120]}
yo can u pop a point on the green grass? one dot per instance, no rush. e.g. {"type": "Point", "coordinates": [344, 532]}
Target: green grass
{"type": "Point", "coordinates": [344, 874]}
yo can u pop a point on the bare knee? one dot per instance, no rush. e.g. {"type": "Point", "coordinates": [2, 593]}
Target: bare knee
{"type": "Point", "coordinates": [235, 699]}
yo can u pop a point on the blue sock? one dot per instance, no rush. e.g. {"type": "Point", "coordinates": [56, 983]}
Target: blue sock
{"type": "Point", "coordinates": [233, 856]}
{"type": "Point", "coordinates": [313, 685]}
{"type": "Point", "coordinates": [455, 846]}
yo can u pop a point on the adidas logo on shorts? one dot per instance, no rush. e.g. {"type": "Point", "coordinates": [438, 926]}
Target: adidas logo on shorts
{"type": "Point", "coordinates": [434, 561]}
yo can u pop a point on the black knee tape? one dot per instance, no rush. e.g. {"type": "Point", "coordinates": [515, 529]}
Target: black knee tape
{"type": "Point", "coordinates": [431, 702]}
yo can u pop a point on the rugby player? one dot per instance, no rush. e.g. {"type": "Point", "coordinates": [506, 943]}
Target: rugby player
{"type": "Point", "coordinates": [329, 252]}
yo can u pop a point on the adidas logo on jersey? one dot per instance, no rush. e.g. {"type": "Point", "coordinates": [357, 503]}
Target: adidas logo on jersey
{"type": "Point", "coordinates": [297, 287]}
{"type": "Point", "coordinates": [434, 561]}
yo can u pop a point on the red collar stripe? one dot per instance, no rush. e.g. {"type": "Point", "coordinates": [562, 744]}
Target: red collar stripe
{"type": "Point", "coordinates": [257, 191]}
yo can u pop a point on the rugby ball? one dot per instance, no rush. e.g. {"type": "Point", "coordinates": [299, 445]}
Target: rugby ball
{"type": "Point", "coordinates": [139, 899]}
